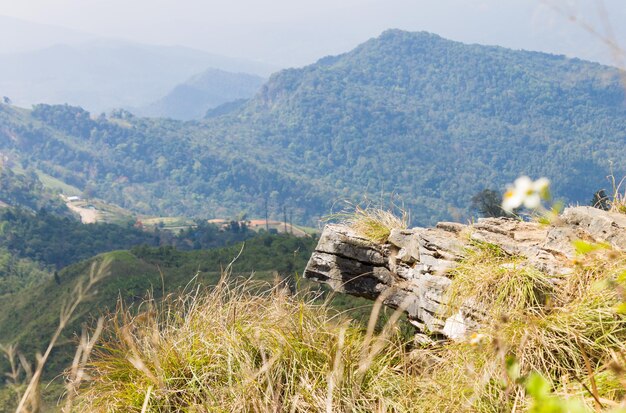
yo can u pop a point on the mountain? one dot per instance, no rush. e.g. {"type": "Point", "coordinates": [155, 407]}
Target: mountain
{"type": "Point", "coordinates": [412, 114]}
{"type": "Point", "coordinates": [436, 121]}
{"type": "Point", "coordinates": [105, 74]}
{"type": "Point", "coordinates": [207, 90]}
{"type": "Point", "coordinates": [225, 108]}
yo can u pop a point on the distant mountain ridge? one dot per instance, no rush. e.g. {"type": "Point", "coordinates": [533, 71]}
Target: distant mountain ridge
{"type": "Point", "coordinates": [207, 90]}
{"type": "Point", "coordinates": [103, 74]}
{"type": "Point", "coordinates": [412, 114]}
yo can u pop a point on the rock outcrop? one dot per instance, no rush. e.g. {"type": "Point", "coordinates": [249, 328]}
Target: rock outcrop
{"type": "Point", "coordinates": [411, 270]}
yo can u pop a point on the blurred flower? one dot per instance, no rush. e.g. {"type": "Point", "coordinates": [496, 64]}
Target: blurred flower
{"type": "Point", "coordinates": [525, 192]}
{"type": "Point", "coordinates": [478, 339]}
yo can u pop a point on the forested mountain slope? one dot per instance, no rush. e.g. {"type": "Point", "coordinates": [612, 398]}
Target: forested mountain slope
{"type": "Point", "coordinates": [26, 191]}
{"type": "Point", "coordinates": [436, 121]}
{"type": "Point", "coordinates": [431, 120]}
{"type": "Point", "coordinates": [160, 167]}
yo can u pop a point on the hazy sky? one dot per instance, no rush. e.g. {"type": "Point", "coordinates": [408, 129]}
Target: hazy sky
{"type": "Point", "coordinates": [297, 32]}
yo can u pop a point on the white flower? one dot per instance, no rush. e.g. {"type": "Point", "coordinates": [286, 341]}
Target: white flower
{"type": "Point", "coordinates": [542, 185]}
{"type": "Point", "coordinates": [525, 192]}
{"type": "Point", "coordinates": [477, 339]}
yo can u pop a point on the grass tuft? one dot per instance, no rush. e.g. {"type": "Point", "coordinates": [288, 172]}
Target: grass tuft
{"type": "Point", "coordinates": [233, 349]}
{"type": "Point", "coordinates": [567, 329]}
{"type": "Point", "coordinates": [618, 201]}
{"type": "Point", "coordinates": [560, 341]}
{"type": "Point", "coordinates": [502, 284]}
{"type": "Point", "coordinates": [372, 223]}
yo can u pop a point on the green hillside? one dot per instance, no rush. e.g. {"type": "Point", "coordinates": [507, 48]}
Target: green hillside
{"type": "Point", "coordinates": [436, 121]}
{"type": "Point", "coordinates": [430, 120]}
{"type": "Point", "coordinates": [27, 191]}
{"type": "Point", "coordinates": [18, 273]}
{"type": "Point", "coordinates": [155, 167]}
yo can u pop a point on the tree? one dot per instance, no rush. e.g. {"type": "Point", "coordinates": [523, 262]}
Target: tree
{"type": "Point", "coordinates": [6, 100]}
{"type": "Point", "coordinates": [600, 200]}
{"type": "Point", "coordinates": [488, 203]}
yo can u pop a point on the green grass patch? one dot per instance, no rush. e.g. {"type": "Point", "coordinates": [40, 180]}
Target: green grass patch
{"type": "Point", "coordinates": [55, 184]}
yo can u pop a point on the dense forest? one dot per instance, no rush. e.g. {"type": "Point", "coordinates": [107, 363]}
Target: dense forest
{"type": "Point", "coordinates": [60, 241]}
{"type": "Point", "coordinates": [18, 273]}
{"type": "Point", "coordinates": [150, 166]}
{"type": "Point", "coordinates": [430, 120]}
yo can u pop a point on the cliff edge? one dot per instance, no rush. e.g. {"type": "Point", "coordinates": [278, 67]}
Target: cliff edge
{"type": "Point", "coordinates": [414, 268]}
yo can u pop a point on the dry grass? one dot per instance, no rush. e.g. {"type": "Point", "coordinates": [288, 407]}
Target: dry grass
{"type": "Point", "coordinates": [250, 348]}
{"type": "Point", "coordinates": [20, 372]}
{"type": "Point", "coordinates": [238, 349]}
{"type": "Point", "coordinates": [568, 331]}
{"type": "Point", "coordinates": [618, 199]}
{"type": "Point", "coordinates": [502, 284]}
{"type": "Point", "coordinates": [372, 223]}
{"type": "Point", "coordinates": [235, 350]}
{"type": "Point", "coordinates": [559, 341]}
{"type": "Point", "coordinates": [618, 203]}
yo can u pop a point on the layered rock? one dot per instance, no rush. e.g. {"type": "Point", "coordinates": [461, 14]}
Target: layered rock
{"type": "Point", "coordinates": [412, 269]}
